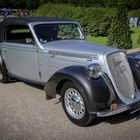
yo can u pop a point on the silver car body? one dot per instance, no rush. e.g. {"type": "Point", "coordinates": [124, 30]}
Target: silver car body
{"type": "Point", "coordinates": [38, 62]}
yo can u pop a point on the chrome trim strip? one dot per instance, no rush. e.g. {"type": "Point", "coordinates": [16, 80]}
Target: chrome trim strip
{"type": "Point", "coordinates": [120, 109]}
{"type": "Point", "coordinates": [113, 112]}
{"type": "Point", "coordinates": [125, 100]}
{"type": "Point", "coordinates": [73, 54]}
{"type": "Point", "coordinates": [135, 111]}
{"type": "Point", "coordinates": [110, 86]}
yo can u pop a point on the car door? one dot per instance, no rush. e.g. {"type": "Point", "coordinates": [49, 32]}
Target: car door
{"type": "Point", "coordinates": [20, 53]}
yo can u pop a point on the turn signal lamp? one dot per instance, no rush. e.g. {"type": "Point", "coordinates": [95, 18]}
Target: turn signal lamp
{"type": "Point", "coordinates": [113, 106]}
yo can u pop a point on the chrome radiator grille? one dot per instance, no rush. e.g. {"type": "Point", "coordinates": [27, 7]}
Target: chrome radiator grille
{"type": "Point", "coordinates": [121, 74]}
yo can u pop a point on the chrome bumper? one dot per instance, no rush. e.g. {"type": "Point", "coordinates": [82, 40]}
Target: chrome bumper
{"type": "Point", "coordinates": [132, 107]}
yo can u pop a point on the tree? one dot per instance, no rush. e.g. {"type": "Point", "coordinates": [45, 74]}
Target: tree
{"type": "Point", "coordinates": [32, 4]}
{"type": "Point", "coordinates": [7, 3]}
{"type": "Point", "coordinates": [20, 4]}
{"type": "Point", "coordinates": [119, 34]}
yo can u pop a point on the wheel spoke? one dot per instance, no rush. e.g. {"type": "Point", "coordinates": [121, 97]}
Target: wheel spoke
{"type": "Point", "coordinates": [74, 103]}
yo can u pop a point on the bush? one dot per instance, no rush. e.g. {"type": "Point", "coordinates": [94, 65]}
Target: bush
{"type": "Point", "coordinates": [59, 10]}
{"type": "Point", "coordinates": [134, 13]}
{"type": "Point", "coordinates": [120, 32]}
{"type": "Point", "coordinates": [94, 21]}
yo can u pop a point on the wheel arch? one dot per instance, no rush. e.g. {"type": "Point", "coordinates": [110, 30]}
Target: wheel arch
{"type": "Point", "coordinates": [96, 92]}
{"type": "Point", "coordinates": [60, 85]}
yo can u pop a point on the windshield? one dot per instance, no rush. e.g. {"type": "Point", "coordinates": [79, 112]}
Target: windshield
{"type": "Point", "coordinates": [61, 31]}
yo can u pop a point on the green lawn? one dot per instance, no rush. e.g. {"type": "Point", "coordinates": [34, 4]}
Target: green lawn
{"type": "Point", "coordinates": [135, 37]}
{"type": "Point", "coordinates": [98, 40]}
{"type": "Point", "coordinates": [103, 40]}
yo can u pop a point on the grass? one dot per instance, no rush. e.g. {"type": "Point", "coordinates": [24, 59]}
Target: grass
{"type": "Point", "coordinates": [135, 35]}
{"type": "Point", "coordinates": [98, 40]}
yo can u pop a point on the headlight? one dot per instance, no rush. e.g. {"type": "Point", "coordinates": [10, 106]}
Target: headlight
{"type": "Point", "coordinates": [94, 70]}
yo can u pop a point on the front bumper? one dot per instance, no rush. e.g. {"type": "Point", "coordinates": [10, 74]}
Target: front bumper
{"type": "Point", "coordinates": [122, 108]}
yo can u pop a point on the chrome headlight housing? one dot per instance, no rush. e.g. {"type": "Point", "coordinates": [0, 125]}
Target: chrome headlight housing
{"type": "Point", "coordinates": [94, 70]}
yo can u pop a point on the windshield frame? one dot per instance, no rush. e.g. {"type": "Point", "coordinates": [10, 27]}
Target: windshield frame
{"type": "Point", "coordinates": [81, 34]}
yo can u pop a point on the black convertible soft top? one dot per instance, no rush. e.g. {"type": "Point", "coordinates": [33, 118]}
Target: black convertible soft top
{"type": "Point", "coordinates": [26, 21]}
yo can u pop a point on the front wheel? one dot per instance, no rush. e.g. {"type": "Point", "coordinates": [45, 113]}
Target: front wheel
{"type": "Point", "coordinates": [74, 104]}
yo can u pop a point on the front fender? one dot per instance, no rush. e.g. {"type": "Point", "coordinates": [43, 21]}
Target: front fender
{"type": "Point", "coordinates": [96, 92]}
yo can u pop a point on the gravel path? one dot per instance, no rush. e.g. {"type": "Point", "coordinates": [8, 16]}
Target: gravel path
{"type": "Point", "coordinates": [25, 114]}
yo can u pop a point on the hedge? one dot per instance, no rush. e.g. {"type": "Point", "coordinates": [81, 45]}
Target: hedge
{"type": "Point", "coordinates": [119, 34]}
{"type": "Point", "coordinates": [134, 13]}
{"type": "Point", "coordinates": [95, 21]}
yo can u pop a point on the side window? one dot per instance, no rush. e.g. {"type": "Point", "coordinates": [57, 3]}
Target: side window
{"type": "Point", "coordinates": [18, 34]}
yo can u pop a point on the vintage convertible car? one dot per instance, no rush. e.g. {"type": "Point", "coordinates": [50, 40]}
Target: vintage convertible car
{"type": "Point", "coordinates": [92, 80]}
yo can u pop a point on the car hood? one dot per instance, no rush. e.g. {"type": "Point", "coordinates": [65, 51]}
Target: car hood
{"type": "Point", "coordinates": [77, 46]}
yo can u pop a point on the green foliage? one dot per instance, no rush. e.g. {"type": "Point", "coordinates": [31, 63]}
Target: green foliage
{"type": "Point", "coordinates": [135, 35]}
{"type": "Point", "coordinates": [95, 21]}
{"type": "Point", "coordinates": [6, 3]}
{"type": "Point", "coordinates": [131, 4]}
{"type": "Point", "coordinates": [98, 39]}
{"type": "Point", "coordinates": [120, 32]}
{"type": "Point", "coordinates": [59, 10]}
{"type": "Point", "coordinates": [27, 4]}
{"type": "Point", "coordinates": [134, 13]}
{"type": "Point", "coordinates": [32, 4]}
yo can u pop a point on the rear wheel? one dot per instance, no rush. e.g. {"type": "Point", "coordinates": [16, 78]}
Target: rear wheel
{"type": "Point", "coordinates": [74, 104]}
{"type": "Point", "coordinates": [3, 77]}
{"type": "Point", "coordinates": [3, 72]}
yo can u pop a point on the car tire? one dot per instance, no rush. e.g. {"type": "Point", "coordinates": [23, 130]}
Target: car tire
{"type": "Point", "coordinates": [3, 71]}
{"type": "Point", "coordinates": [3, 78]}
{"type": "Point", "coordinates": [74, 104]}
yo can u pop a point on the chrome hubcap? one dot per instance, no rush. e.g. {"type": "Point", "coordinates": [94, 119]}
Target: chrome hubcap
{"type": "Point", "coordinates": [74, 103]}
